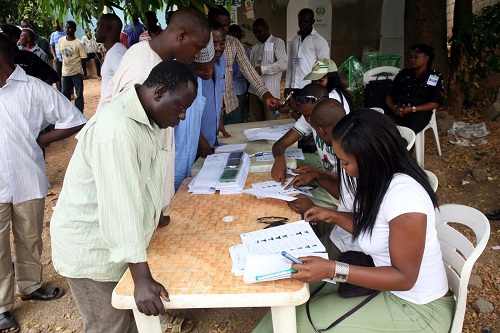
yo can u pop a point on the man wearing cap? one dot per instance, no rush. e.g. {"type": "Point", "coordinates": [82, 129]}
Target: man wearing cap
{"type": "Point", "coordinates": [188, 132]}
{"type": "Point", "coordinates": [269, 58]}
{"type": "Point", "coordinates": [304, 50]}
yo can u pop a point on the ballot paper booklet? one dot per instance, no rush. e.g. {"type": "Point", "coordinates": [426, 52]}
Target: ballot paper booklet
{"type": "Point", "coordinates": [258, 258]}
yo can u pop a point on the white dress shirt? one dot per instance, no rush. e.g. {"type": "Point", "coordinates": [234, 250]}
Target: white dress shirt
{"type": "Point", "coordinates": [109, 67]}
{"type": "Point", "coordinates": [302, 54]}
{"type": "Point", "coordinates": [272, 59]}
{"type": "Point", "coordinates": [27, 106]}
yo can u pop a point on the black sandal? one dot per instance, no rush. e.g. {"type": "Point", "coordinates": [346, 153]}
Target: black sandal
{"type": "Point", "coordinates": [44, 294]}
{"type": "Point", "coordinates": [8, 323]}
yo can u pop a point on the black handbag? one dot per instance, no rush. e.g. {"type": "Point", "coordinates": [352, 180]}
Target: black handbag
{"type": "Point", "coordinates": [347, 290]}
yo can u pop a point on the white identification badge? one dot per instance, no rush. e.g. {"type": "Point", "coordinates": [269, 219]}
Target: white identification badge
{"type": "Point", "coordinates": [433, 80]}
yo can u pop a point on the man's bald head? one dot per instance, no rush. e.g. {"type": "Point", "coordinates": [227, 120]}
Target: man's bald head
{"type": "Point", "coordinates": [189, 19]}
{"type": "Point", "coordinates": [187, 33]}
{"type": "Point", "coordinates": [325, 117]}
{"type": "Point", "coordinates": [327, 113]}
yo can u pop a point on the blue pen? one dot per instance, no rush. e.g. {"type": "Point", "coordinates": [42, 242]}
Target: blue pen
{"type": "Point", "coordinates": [291, 258]}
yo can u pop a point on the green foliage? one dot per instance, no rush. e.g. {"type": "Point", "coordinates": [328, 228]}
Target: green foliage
{"type": "Point", "coordinates": [13, 12]}
{"type": "Point", "coordinates": [482, 53]}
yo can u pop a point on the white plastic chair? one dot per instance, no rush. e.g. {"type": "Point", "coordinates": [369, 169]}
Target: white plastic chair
{"type": "Point", "coordinates": [382, 71]}
{"type": "Point", "coordinates": [408, 135]}
{"type": "Point", "coordinates": [420, 140]}
{"type": "Point", "coordinates": [459, 254]}
{"type": "Point", "coordinates": [379, 110]}
{"type": "Point", "coordinates": [433, 180]}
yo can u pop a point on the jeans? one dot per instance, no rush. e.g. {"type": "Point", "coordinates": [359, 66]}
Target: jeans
{"type": "Point", "coordinates": [76, 82]}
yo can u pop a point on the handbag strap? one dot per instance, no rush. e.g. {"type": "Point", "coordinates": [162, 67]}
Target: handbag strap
{"type": "Point", "coordinates": [341, 318]}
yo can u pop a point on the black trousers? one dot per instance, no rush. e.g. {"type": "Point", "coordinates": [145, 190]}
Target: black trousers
{"type": "Point", "coordinates": [97, 64]}
{"type": "Point", "coordinates": [417, 121]}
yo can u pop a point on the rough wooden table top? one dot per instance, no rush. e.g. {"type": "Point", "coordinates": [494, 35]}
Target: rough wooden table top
{"type": "Point", "coordinates": [190, 256]}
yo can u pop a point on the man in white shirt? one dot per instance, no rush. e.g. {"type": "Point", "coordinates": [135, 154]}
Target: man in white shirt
{"type": "Point", "coordinates": [304, 50]}
{"type": "Point", "coordinates": [187, 33]}
{"type": "Point", "coordinates": [27, 106]}
{"type": "Point", "coordinates": [269, 58]}
{"type": "Point", "coordinates": [108, 31]}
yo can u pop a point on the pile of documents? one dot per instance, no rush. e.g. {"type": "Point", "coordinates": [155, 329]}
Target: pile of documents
{"type": "Point", "coordinates": [276, 190]}
{"type": "Point", "coordinates": [267, 156]}
{"type": "Point", "coordinates": [273, 133]}
{"type": "Point", "coordinates": [258, 258]}
{"type": "Point", "coordinates": [208, 180]}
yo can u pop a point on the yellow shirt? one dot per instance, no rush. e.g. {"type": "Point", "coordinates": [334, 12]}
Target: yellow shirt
{"type": "Point", "coordinates": [112, 194]}
{"type": "Point", "coordinates": [72, 53]}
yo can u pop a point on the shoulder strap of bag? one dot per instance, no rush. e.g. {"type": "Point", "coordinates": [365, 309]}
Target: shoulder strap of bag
{"type": "Point", "coordinates": [341, 318]}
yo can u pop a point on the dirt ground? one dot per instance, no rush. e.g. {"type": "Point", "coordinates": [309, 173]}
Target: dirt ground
{"type": "Point", "coordinates": [456, 164]}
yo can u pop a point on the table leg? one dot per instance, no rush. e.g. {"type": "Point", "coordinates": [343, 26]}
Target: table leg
{"type": "Point", "coordinates": [147, 324]}
{"type": "Point", "coordinates": [284, 319]}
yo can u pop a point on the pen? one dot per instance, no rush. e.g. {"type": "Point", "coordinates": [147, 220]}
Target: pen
{"type": "Point", "coordinates": [291, 258]}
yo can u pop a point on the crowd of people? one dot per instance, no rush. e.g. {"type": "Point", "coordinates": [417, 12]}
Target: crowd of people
{"type": "Point", "coordinates": [165, 97]}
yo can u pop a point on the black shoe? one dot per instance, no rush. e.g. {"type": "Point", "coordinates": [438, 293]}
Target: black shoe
{"type": "Point", "coordinates": [493, 215]}
{"type": "Point", "coordinates": [8, 323]}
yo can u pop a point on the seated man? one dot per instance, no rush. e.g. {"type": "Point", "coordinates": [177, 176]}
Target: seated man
{"type": "Point", "coordinates": [304, 101]}
{"type": "Point", "coordinates": [417, 90]}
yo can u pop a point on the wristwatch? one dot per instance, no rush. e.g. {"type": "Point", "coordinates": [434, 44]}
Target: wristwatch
{"type": "Point", "coordinates": [341, 272]}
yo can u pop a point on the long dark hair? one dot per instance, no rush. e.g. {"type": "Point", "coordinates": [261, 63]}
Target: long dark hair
{"type": "Point", "coordinates": [335, 83]}
{"type": "Point", "coordinates": [380, 152]}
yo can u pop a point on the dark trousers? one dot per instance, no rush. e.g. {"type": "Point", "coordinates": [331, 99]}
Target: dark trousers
{"type": "Point", "coordinates": [415, 120]}
{"type": "Point", "coordinates": [59, 74]}
{"type": "Point", "coordinates": [239, 115]}
{"type": "Point", "coordinates": [97, 64]}
{"type": "Point", "coordinates": [76, 82]}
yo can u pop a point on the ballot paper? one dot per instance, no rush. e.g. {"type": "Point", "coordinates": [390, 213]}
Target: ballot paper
{"type": "Point", "coordinates": [267, 156]}
{"type": "Point", "coordinates": [276, 190]}
{"type": "Point", "coordinates": [258, 258]}
{"type": "Point", "coordinates": [231, 148]}
{"type": "Point", "coordinates": [273, 133]}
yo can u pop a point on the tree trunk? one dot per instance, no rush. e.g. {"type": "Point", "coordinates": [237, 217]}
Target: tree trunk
{"type": "Point", "coordinates": [426, 23]}
{"type": "Point", "coordinates": [460, 46]}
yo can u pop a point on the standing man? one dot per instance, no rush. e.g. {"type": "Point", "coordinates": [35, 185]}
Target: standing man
{"type": "Point", "coordinates": [27, 105]}
{"type": "Point", "coordinates": [108, 32]}
{"type": "Point", "coordinates": [29, 62]}
{"type": "Point", "coordinates": [72, 52]}
{"type": "Point", "coordinates": [153, 29]}
{"type": "Point", "coordinates": [133, 30]}
{"type": "Point", "coordinates": [213, 89]}
{"type": "Point", "coordinates": [39, 40]}
{"type": "Point", "coordinates": [56, 54]}
{"type": "Point", "coordinates": [187, 33]}
{"type": "Point", "coordinates": [304, 50]}
{"type": "Point", "coordinates": [269, 59]}
{"type": "Point", "coordinates": [188, 132]}
{"type": "Point", "coordinates": [92, 50]}
{"type": "Point", "coordinates": [27, 43]}
{"type": "Point", "coordinates": [112, 198]}
{"type": "Point", "coordinates": [219, 18]}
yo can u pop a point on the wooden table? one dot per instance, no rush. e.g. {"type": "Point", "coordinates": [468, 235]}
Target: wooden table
{"type": "Point", "coordinates": [190, 257]}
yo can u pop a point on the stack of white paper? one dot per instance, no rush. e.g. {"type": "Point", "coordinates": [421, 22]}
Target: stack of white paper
{"type": "Point", "coordinates": [273, 133]}
{"type": "Point", "coordinates": [231, 148]}
{"type": "Point", "coordinates": [207, 181]}
{"type": "Point", "coordinates": [276, 190]}
{"type": "Point", "coordinates": [259, 258]}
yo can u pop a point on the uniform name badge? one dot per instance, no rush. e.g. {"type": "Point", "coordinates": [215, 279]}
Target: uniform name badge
{"type": "Point", "coordinates": [432, 80]}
